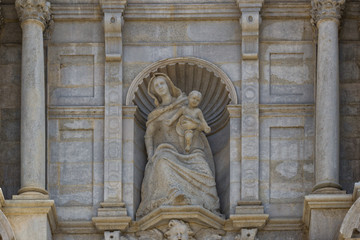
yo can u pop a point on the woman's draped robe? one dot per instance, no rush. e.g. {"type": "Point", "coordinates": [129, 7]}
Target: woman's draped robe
{"type": "Point", "coordinates": [173, 177]}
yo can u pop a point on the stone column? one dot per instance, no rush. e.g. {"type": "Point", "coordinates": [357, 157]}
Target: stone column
{"type": "Point", "coordinates": [33, 15]}
{"type": "Point", "coordinates": [326, 17]}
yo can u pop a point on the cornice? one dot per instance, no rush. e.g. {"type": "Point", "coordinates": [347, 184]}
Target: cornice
{"type": "Point", "coordinates": [77, 12]}
{"type": "Point", "coordinates": [33, 9]}
{"type": "Point", "coordinates": [179, 12]}
{"type": "Point", "coordinates": [286, 10]}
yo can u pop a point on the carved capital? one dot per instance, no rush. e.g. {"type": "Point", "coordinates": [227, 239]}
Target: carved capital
{"type": "Point", "coordinates": [33, 9]}
{"type": "Point", "coordinates": [326, 9]}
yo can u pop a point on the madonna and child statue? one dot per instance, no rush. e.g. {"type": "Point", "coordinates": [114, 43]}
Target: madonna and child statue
{"type": "Point", "coordinates": [180, 168]}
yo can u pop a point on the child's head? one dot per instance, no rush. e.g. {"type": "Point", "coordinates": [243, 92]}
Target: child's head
{"type": "Point", "coordinates": [194, 98]}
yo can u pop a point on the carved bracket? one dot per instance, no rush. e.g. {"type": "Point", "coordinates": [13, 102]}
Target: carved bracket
{"type": "Point", "coordinates": [250, 23]}
{"type": "Point", "coordinates": [113, 22]}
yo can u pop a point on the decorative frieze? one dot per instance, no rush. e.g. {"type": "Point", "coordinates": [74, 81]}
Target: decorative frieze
{"type": "Point", "coordinates": [33, 9]}
{"type": "Point", "coordinates": [326, 9]}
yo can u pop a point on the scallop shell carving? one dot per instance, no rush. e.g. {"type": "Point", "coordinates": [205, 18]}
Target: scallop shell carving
{"type": "Point", "coordinates": [188, 77]}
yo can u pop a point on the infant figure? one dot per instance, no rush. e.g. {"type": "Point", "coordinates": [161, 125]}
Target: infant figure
{"type": "Point", "coordinates": [190, 113]}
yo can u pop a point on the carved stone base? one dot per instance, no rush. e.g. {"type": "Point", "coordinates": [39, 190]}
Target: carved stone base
{"type": "Point", "coordinates": [249, 215]}
{"type": "Point", "coordinates": [111, 217]}
{"type": "Point", "coordinates": [324, 213]}
{"type": "Point", "coordinates": [31, 217]}
{"type": "Point", "coordinates": [197, 215]}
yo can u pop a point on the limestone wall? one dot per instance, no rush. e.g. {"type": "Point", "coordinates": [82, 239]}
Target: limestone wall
{"type": "Point", "coordinates": [75, 80]}
{"type": "Point", "coordinates": [10, 90]}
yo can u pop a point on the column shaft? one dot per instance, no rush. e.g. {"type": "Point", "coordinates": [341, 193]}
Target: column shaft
{"type": "Point", "coordinates": [32, 108]}
{"type": "Point", "coordinates": [327, 105]}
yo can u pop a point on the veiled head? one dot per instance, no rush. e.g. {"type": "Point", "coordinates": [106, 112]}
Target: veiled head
{"type": "Point", "coordinates": [156, 87]}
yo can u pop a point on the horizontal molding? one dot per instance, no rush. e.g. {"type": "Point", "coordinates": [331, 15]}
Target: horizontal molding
{"type": "Point", "coordinates": [284, 224]}
{"type": "Point", "coordinates": [286, 10]}
{"type": "Point", "coordinates": [286, 109]}
{"type": "Point", "coordinates": [73, 12]}
{"type": "Point", "coordinates": [55, 112]}
{"type": "Point", "coordinates": [76, 227]}
{"type": "Point", "coordinates": [178, 12]}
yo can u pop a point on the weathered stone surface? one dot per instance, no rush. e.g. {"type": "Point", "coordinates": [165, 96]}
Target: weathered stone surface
{"type": "Point", "coordinates": [181, 145]}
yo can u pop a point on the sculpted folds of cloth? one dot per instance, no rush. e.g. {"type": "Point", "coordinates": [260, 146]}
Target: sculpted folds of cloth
{"type": "Point", "coordinates": [175, 176]}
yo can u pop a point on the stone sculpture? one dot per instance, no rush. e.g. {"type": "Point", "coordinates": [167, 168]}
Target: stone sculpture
{"type": "Point", "coordinates": [190, 113]}
{"type": "Point", "coordinates": [178, 230]}
{"type": "Point", "coordinates": [174, 176]}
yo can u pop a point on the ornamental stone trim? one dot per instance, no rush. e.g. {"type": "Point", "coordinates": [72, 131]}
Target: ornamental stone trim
{"type": "Point", "coordinates": [326, 9]}
{"type": "Point", "coordinates": [33, 9]}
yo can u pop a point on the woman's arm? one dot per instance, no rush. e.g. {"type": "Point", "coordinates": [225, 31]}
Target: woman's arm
{"type": "Point", "coordinates": [149, 142]}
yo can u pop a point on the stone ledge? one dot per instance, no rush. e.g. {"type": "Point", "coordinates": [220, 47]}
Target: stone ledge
{"type": "Point", "coordinates": [191, 214]}
{"type": "Point", "coordinates": [325, 201]}
{"type": "Point", "coordinates": [284, 224]}
{"type": "Point", "coordinates": [32, 207]}
{"type": "Point", "coordinates": [248, 220]}
{"type": "Point", "coordinates": [76, 227]}
{"type": "Point", "coordinates": [111, 223]}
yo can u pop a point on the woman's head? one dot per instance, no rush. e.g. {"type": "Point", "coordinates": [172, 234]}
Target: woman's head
{"type": "Point", "coordinates": [161, 85]}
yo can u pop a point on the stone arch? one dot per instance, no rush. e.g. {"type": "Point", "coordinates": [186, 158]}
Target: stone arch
{"type": "Point", "coordinates": [350, 227]}
{"type": "Point", "coordinates": [187, 73]}
{"type": "Point", "coordinates": [6, 232]}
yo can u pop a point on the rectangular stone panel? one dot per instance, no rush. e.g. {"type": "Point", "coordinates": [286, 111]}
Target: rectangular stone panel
{"type": "Point", "coordinates": [286, 153]}
{"type": "Point", "coordinates": [76, 74]}
{"type": "Point", "coordinates": [286, 158]}
{"type": "Point", "coordinates": [75, 165]}
{"type": "Point", "coordinates": [287, 72]}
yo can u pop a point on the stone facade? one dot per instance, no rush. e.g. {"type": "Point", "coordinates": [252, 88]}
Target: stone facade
{"type": "Point", "coordinates": [281, 92]}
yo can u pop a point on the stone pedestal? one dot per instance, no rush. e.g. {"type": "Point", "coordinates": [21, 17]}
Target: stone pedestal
{"type": "Point", "coordinates": [31, 218]}
{"type": "Point", "coordinates": [249, 214]}
{"type": "Point", "coordinates": [326, 16]}
{"type": "Point", "coordinates": [112, 217]}
{"type": "Point", "coordinates": [33, 17]}
{"type": "Point", "coordinates": [324, 213]}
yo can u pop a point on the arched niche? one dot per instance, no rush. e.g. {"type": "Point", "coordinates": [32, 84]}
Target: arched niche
{"type": "Point", "coordinates": [187, 73]}
{"type": "Point", "coordinates": [6, 232]}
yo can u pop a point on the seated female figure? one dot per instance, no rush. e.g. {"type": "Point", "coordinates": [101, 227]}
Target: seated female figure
{"type": "Point", "coordinates": [172, 175]}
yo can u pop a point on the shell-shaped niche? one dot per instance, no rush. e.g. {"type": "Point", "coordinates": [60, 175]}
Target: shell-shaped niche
{"type": "Point", "coordinates": [188, 77]}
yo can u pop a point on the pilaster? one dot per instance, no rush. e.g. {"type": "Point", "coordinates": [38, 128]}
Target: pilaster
{"type": "Point", "coordinates": [326, 16]}
{"type": "Point", "coordinates": [250, 23]}
{"type": "Point", "coordinates": [113, 215]}
{"type": "Point", "coordinates": [235, 155]}
{"type": "Point", "coordinates": [249, 212]}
